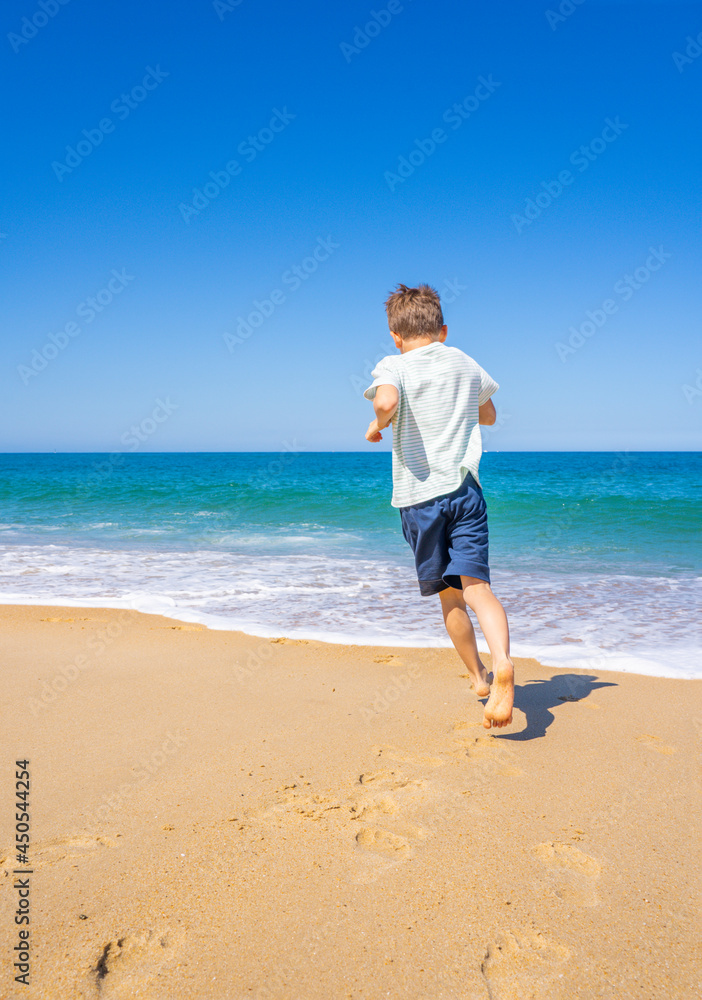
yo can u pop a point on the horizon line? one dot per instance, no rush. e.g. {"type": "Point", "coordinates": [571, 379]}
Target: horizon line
{"type": "Point", "coordinates": [384, 451]}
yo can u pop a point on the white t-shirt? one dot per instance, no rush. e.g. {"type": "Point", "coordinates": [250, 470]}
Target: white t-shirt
{"type": "Point", "coordinates": [436, 434]}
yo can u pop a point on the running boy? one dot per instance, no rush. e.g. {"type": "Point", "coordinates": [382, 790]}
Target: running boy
{"type": "Point", "coordinates": [435, 397]}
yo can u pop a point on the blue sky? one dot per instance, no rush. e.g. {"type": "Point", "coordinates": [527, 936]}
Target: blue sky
{"type": "Point", "coordinates": [180, 165]}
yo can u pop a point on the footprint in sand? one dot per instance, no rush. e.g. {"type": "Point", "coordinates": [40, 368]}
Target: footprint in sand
{"type": "Point", "coordinates": [389, 658]}
{"type": "Point", "coordinates": [384, 843]}
{"type": "Point", "coordinates": [486, 749]}
{"type": "Point", "coordinates": [654, 743]}
{"type": "Point", "coordinates": [374, 805]}
{"type": "Point", "coordinates": [522, 966]}
{"type": "Point", "coordinates": [127, 965]}
{"type": "Point", "coordinates": [477, 746]}
{"type": "Point", "coordinates": [388, 787]}
{"type": "Point", "coordinates": [388, 779]}
{"type": "Point", "coordinates": [379, 796]}
{"type": "Point", "coordinates": [464, 745]}
{"type": "Point", "coordinates": [291, 804]}
{"type": "Point", "coordinates": [567, 856]}
{"type": "Point", "coordinates": [377, 803]}
{"type": "Point", "coordinates": [384, 802]}
{"type": "Point", "coordinates": [51, 851]}
{"type": "Point", "coordinates": [294, 802]}
{"type": "Point", "coordinates": [372, 794]}
{"type": "Point", "coordinates": [379, 850]}
{"type": "Point", "coordinates": [577, 872]}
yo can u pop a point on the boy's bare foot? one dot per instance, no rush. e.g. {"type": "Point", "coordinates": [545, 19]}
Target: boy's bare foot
{"type": "Point", "coordinates": [480, 681]}
{"type": "Point", "coordinates": [498, 711]}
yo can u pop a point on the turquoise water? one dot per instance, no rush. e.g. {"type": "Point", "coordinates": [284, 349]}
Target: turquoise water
{"type": "Point", "coordinates": [597, 556]}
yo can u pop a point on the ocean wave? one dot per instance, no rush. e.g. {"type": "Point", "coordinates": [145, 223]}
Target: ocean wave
{"type": "Point", "coordinates": [623, 622]}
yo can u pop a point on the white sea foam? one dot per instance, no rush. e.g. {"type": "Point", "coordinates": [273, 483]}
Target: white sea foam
{"type": "Point", "coordinates": [621, 623]}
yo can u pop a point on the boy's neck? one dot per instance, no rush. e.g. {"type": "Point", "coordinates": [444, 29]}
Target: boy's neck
{"type": "Point", "coordinates": [414, 342]}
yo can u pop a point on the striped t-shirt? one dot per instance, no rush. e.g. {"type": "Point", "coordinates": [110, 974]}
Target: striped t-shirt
{"type": "Point", "coordinates": [436, 434]}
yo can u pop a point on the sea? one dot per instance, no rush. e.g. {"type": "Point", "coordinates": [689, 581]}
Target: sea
{"type": "Point", "coordinates": [597, 557]}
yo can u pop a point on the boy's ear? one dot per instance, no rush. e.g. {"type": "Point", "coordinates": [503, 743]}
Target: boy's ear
{"type": "Point", "coordinates": [442, 333]}
{"type": "Point", "coordinates": [398, 340]}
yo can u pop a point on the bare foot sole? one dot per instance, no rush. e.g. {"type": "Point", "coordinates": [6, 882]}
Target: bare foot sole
{"type": "Point", "coordinates": [498, 711]}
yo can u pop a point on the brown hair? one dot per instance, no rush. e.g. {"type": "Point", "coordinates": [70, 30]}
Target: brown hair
{"type": "Point", "coordinates": [414, 312]}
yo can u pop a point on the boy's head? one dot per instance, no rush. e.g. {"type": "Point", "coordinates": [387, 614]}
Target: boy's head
{"type": "Point", "coordinates": [415, 313]}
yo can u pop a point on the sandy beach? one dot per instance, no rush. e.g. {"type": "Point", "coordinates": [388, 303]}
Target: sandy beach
{"type": "Point", "coordinates": [216, 816]}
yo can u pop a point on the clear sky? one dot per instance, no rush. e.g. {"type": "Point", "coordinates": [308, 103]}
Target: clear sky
{"type": "Point", "coordinates": [172, 168]}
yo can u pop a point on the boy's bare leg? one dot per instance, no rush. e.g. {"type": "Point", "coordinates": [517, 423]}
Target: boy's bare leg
{"type": "Point", "coordinates": [462, 635]}
{"type": "Point", "coordinates": [493, 621]}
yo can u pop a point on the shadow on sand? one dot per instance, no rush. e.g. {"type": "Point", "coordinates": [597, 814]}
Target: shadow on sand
{"type": "Point", "coordinates": [536, 699]}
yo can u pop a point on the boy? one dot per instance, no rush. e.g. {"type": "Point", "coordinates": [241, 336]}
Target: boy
{"type": "Point", "coordinates": [435, 397]}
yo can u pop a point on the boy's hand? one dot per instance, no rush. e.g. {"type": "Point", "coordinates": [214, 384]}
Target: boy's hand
{"type": "Point", "coordinates": [385, 403]}
{"type": "Point", "coordinates": [373, 433]}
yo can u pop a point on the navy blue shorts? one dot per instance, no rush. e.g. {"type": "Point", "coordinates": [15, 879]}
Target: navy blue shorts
{"type": "Point", "coordinates": [449, 538]}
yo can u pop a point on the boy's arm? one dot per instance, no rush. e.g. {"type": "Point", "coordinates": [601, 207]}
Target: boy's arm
{"type": "Point", "coordinates": [385, 403]}
{"type": "Point", "coordinates": [486, 413]}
